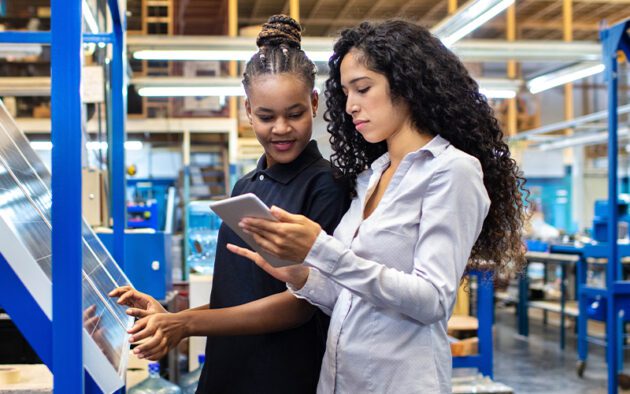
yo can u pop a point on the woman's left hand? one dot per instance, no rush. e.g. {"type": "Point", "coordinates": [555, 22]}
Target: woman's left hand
{"type": "Point", "coordinates": [162, 332]}
{"type": "Point", "coordinates": [290, 238]}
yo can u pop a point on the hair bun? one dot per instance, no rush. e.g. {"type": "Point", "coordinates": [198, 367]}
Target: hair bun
{"type": "Point", "coordinates": [280, 30]}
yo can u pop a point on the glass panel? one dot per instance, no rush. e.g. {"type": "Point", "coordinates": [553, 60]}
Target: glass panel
{"type": "Point", "coordinates": [25, 204]}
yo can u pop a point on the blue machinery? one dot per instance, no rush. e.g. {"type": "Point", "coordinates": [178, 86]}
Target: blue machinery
{"type": "Point", "coordinates": [64, 354]}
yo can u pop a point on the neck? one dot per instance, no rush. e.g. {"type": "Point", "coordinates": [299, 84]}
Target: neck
{"type": "Point", "coordinates": [406, 140]}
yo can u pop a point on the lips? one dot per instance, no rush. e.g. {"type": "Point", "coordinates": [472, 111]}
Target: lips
{"type": "Point", "coordinates": [283, 146]}
{"type": "Point", "coordinates": [360, 124]}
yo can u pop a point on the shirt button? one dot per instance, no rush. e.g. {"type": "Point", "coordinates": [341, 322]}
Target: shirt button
{"type": "Point", "coordinates": [261, 177]}
{"type": "Point", "coordinates": [311, 292]}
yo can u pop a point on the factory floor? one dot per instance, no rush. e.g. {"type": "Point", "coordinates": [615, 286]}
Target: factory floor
{"type": "Point", "coordinates": [537, 365]}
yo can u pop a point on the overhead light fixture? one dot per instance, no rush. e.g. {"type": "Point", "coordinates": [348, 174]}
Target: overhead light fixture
{"type": "Point", "coordinates": [564, 76]}
{"type": "Point", "coordinates": [149, 54]}
{"type": "Point", "coordinates": [90, 145]}
{"type": "Point", "coordinates": [192, 87]}
{"type": "Point", "coordinates": [498, 94]}
{"type": "Point", "coordinates": [208, 55]}
{"type": "Point", "coordinates": [499, 88]}
{"type": "Point", "coordinates": [580, 140]}
{"type": "Point", "coordinates": [184, 91]}
{"type": "Point", "coordinates": [205, 48]}
{"type": "Point", "coordinates": [468, 18]}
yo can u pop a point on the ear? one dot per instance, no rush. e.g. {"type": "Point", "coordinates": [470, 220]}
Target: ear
{"type": "Point", "coordinates": [314, 101]}
{"type": "Point", "coordinates": [248, 110]}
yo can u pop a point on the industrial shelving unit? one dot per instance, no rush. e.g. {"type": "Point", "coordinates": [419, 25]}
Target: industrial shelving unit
{"type": "Point", "coordinates": [615, 40]}
{"type": "Point", "coordinates": [485, 316]}
{"type": "Point", "coordinates": [58, 338]}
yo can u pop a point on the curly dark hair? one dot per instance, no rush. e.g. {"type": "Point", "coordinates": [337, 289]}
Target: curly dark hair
{"type": "Point", "coordinates": [280, 51]}
{"type": "Point", "coordinates": [445, 100]}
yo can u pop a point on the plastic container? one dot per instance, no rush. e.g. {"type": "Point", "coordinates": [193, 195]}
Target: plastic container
{"type": "Point", "coordinates": [154, 384]}
{"type": "Point", "coordinates": [203, 231]}
{"type": "Point", "coordinates": [188, 382]}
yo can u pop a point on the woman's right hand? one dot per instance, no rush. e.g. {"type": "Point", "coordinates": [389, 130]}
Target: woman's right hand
{"type": "Point", "coordinates": [295, 275]}
{"type": "Point", "coordinates": [140, 304]}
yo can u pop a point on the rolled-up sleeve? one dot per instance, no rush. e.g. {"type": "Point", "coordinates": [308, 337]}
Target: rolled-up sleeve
{"type": "Point", "coordinates": [452, 213]}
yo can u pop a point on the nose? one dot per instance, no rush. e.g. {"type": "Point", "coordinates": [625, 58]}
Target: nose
{"type": "Point", "coordinates": [282, 126]}
{"type": "Point", "coordinates": [351, 106]}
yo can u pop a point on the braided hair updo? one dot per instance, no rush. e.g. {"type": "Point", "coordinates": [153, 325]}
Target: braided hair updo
{"type": "Point", "coordinates": [280, 51]}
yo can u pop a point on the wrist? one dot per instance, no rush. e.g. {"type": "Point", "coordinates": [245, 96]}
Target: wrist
{"type": "Point", "coordinates": [187, 322]}
{"type": "Point", "coordinates": [301, 278]}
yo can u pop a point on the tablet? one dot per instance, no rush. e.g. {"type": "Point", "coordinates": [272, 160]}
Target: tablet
{"type": "Point", "coordinates": [233, 210]}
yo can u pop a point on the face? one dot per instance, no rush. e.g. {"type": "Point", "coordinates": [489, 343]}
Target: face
{"type": "Point", "coordinates": [369, 101]}
{"type": "Point", "coordinates": [281, 109]}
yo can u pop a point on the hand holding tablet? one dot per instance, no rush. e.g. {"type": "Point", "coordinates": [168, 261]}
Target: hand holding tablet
{"type": "Point", "coordinates": [234, 209]}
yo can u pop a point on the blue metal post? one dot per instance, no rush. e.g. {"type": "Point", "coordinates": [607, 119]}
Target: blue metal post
{"type": "Point", "coordinates": [485, 309]}
{"type": "Point", "coordinates": [117, 136]}
{"type": "Point", "coordinates": [67, 59]}
{"type": "Point", "coordinates": [522, 307]}
{"type": "Point", "coordinates": [563, 300]}
{"type": "Point", "coordinates": [582, 321]}
{"type": "Point", "coordinates": [613, 39]}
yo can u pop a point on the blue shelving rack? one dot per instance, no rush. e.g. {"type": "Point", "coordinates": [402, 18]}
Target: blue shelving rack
{"type": "Point", "coordinates": [59, 344]}
{"type": "Point", "coordinates": [485, 316]}
{"type": "Point", "coordinates": [617, 292]}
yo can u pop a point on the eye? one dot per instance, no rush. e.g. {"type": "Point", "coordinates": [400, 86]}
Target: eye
{"type": "Point", "coordinates": [296, 115]}
{"type": "Point", "coordinates": [265, 118]}
{"type": "Point", "coordinates": [364, 90]}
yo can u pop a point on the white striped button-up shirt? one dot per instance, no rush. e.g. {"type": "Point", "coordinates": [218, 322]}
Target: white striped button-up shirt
{"type": "Point", "coordinates": [389, 282]}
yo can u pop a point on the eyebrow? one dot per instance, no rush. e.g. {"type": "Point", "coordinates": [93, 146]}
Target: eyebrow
{"type": "Point", "coordinates": [356, 80]}
{"type": "Point", "coordinates": [294, 106]}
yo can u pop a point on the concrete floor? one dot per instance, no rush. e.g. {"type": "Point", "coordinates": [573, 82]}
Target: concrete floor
{"type": "Point", "coordinates": [537, 365]}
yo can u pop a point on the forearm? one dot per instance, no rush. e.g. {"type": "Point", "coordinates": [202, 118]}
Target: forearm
{"type": "Point", "coordinates": [274, 313]}
{"type": "Point", "coordinates": [199, 308]}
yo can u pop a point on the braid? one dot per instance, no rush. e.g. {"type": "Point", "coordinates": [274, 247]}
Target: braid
{"type": "Point", "coordinates": [280, 51]}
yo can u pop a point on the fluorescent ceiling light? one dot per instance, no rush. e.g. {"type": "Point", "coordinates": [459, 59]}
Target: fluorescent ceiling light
{"type": "Point", "coordinates": [90, 20]}
{"type": "Point", "coordinates": [183, 91]}
{"type": "Point", "coordinates": [149, 54]}
{"type": "Point", "coordinates": [498, 93]}
{"type": "Point", "coordinates": [580, 140]}
{"type": "Point", "coordinates": [564, 76]}
{"type": "Point", "coordinates": [468, 18]}
{"type": "Point", "coordinates": [91, 145]}
{"type": "Point", "coordinates": [206, 55]}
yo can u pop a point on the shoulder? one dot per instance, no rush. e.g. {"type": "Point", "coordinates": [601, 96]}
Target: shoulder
{"type": "Point", "coordinates": [458, 164]}
{"type": "Point", "coordinates": [238, 186]}
{"type": "Point", "coordinates": [323, 175]}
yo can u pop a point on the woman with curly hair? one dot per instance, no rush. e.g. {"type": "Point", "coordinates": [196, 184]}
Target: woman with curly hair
{"type": "Point", "coordinates": [436, 193]}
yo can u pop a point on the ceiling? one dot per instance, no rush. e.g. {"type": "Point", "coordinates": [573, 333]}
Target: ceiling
{"type": "Point", "coordinates": [535, 19]}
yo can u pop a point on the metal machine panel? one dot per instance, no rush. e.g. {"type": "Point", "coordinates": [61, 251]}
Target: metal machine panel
{"type": "Point", "coordinates": [25, 241]}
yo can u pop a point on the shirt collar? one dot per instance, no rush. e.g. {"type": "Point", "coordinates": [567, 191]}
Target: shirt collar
{"type": "Point", "coordinates": [286, 172]}
{"type": "Point", "coordinates": [436, 146]}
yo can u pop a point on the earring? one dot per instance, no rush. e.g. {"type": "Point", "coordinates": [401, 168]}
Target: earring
{"type": "Point", "coordinates": [314, 114]}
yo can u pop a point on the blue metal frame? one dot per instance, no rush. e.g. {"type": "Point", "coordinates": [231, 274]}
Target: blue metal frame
{"type": "Point", "coordinates": [66, 65]}
{"type": "Point", "coordinates": [27, 315]}
{"type": "Point", "coordinates": [613, 40]}
{"type": "Point", "coordinates": [116, 142]}
{"type": "Point", "coordinates": [485, 316]}
{"type": "Point", "coordinates": [64, 355]}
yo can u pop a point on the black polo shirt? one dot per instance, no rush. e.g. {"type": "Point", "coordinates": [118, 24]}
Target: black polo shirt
{"type": "Point", "coordinates": [287, 361]}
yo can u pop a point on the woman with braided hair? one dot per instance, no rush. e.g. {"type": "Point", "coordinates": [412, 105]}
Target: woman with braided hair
{"type": "Point", "coordinates": [261, 338]}
{"type": "Point", "coordinates": [436, 193]}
